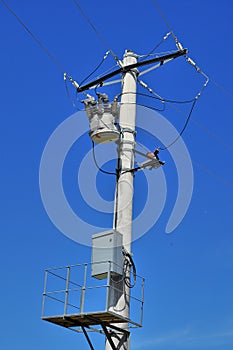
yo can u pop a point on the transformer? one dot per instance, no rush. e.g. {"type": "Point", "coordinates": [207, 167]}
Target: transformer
{"type": "Point", "coordinates": [102, 117]}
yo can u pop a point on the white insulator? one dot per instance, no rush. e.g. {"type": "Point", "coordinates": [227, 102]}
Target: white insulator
{"type": "Point", "coordinates": [115, 109]}
{"type": "Point", "coordinates": [191, 62]}
{"type": "Point", "coordinates": [179, 46]}
{"type": "Point", "coordinates": [89, 111]}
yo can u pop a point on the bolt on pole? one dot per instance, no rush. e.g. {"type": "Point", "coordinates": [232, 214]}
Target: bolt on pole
{"type": "Point", "coordinates": [124, 187]}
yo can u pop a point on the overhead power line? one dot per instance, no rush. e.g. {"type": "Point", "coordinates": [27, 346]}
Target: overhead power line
{"type": "Point", "coordinates": [42, 46]}
{"type": "Point", "coordinates": [222, 88]}
{"type": "Point", "coordinates": [61, 68]}
{"type": "Point", "coordinates": [166, 22]}
{"type": "Point", "coordinates": [156, 46]}
{"type": "Point", "coordinates": [96, 68]}
{"type": "Point", "coordinates": [100, 36]}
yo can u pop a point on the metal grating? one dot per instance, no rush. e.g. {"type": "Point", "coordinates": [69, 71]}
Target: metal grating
{"type": "Point", "coordinates": [86, 320]}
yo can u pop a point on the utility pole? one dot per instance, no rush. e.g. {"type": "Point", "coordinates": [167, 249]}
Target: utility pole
{"type": "Point", "coordinates": [124, 186]}
{"type": "Point", "coordinates": [114, 263]}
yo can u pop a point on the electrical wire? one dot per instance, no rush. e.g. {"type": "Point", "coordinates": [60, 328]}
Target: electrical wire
{"type": "Point", "coordinates": [97, 67]}
{"type": "Point", "coordinates": [180, 133]}
{"type": "Point", "coordinates": [106, 71]}
{"type": "Point", "coordinates": [156, 46]}
{"type": "Point", "coordinates": [156, 97]}
{"type": "Point", "coordinates": [42, 46]}
{"type": "Point", "coordinates": [97, 32]}
{"type": "Point", "coordinates": [128, 264]}
{"type": "Point", "coordinates": [182, 130]}
{"type": "Point", "coordinates": [190, 61]}
{"type": "Point", "coordinates": [61, 68]}
{"type": "Point", "coordinates": [142, 146]}
{"type": "Point", "coordinates": [70, 98]}
{"type": "Point", "coordinates": [222, 88]}
{"type": "Point", "coordinates": [165, 21]}
{"type": "Point", "coordinates": [96, 164]}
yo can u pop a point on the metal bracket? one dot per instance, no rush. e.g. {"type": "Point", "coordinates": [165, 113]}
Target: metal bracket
{"type": "Point", "coordinates": [129, 142]}
{"type": "Point", "coordinates": [127, 149]}
{"type": "Point", "coordinates": [128, 130]}
{"type": "Point", "coordinates": [109, 336]}
{"type": "Point", "coordinates": [84, 332]}
{"type": "Point", "coordinates": [125, 69]}
{"type": "Point", "coordinates": [87, 337]}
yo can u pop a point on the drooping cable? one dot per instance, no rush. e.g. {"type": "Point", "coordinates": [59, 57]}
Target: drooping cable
{"type": "Point", "coordinates": [182, 130]}
{"type": "Point", "coordinates": [156, 97]}
{"type": "Point", "coordinates": [193, 100]}
{"type": "Point", "coordinates": [96, 164]}
{"type": "Point", "coordinates": [156, 46]}
{"type": "Point", "coordinates": [70, 98]}
{"type": "Point", "coordinates": [96, 31]}
{"type": "Point", "coordinates": [97, 67]}
{"type": "Point", "coordinates": [128, 264]}
{"type": "Point", "coordinates": [42, 46]}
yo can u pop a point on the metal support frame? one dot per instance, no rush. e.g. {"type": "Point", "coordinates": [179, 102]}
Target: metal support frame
{"type": "Point", "coordinates": [87, 338]}
{"type": "Point", "coordinates": [109, 336]}
{"type": "Point", "coordinates": [129, 67]}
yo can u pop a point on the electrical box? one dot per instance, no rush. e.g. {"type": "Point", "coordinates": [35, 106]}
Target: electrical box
{"type": "Point", "coordinates": [107, 254]}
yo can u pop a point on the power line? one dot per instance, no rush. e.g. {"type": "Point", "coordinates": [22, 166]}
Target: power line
{"type": "Point", "coordinates": [197, 124]}
{"type": "Point", "coordinates": [97, 67]}
{"type": "Point", "coordinates": [182, 130]}
{"type": "Point", "coordinates": [61, 68]}
{"type": "Point", "coordinates": [96, 164]}
{"type": "Point", "coordinates": [70, 97]}
{"type": "Point", "coordinates": [96, 31]}
{"type": "Point", "coordinates": [222, 88]}
{"type": "Point", "coordinates": [156, 97]}
{"type": "Point", "coordinates": [156, 46]}
{"type": "Point", "coordinates": [42, 46]}
{"type": "Point", "coordinates": [165, 21]}
{"type": "Point", "coordinates": [192, 107]}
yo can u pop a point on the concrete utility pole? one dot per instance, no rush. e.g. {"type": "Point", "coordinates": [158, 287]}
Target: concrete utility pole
{"type": "Point", "coordinates": [102, 117]}
{"type": "Point", "coordinates": [124, 186]}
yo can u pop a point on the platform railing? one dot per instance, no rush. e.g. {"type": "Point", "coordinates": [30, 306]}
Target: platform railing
{"type": "Point", "coordinates": [70, 290]}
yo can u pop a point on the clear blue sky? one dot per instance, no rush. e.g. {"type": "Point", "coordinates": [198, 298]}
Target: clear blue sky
{"type": "Point", "coordinates": [189, 285]}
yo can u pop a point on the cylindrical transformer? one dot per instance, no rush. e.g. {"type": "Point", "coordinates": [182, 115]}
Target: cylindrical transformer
{"type": "Point", "coordinates": [102, 117]}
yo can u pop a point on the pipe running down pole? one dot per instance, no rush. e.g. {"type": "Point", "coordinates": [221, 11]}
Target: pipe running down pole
{"type": "Point", "coordinates": [119, 293]}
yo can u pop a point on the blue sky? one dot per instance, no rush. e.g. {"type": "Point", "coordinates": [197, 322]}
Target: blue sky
{"type": "Point", "coordinates": [189, 286]}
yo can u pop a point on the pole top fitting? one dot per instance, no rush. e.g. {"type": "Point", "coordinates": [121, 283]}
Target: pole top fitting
{"type": "Point", "coordinates": [130, 53]}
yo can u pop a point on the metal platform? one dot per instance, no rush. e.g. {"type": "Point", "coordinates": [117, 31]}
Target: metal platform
{"type": "Point", "coordinates": [73, 298]}
{"type": "Point", "coordinates": [88, 319]}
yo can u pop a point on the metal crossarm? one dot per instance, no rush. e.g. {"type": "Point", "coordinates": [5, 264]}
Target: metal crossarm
{"type": "Point", "coordinates": [125, 69]}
